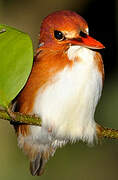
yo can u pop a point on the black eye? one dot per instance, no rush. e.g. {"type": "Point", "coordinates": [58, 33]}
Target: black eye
{"type": "Point", "coordinates": [59, 35]}
{"type": "Point", "coordinates": [82, 34]}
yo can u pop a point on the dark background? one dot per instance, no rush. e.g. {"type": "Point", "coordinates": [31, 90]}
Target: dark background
{"type": "Point", "coordinates": [76, 161]}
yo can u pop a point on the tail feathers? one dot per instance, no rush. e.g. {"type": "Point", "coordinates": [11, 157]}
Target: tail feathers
{"type": "Point", "coordinates": [37, 153]}
{"type": "Point", "coordinates": [37, 166]}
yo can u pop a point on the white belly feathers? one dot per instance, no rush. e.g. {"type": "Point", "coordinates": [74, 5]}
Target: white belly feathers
{"type": "Point", "coordinates": [67, 105]}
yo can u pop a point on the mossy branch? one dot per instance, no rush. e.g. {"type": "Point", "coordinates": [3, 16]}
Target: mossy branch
{"type": "Point", "coordinates": [17, 117]}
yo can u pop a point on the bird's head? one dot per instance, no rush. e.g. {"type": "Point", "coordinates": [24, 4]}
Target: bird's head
{"type": "Point", "coordinates": [62, 29]}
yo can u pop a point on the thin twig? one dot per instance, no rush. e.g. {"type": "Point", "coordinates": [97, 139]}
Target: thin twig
{"type": "Point", "coordinates": [18, 117]}
{"type": "Point", "coordinates": [33, 120]}
{"type": "Point", "coordinates": [109, 133]}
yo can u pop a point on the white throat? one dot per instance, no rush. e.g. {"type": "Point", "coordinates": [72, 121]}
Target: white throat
{"type": "Point", "coordinates": [85, 54]}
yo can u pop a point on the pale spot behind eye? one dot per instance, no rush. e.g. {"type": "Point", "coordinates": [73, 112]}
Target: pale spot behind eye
{"type": "Point", "coordinates": [87, 30]}
{"type": "Point", "coordinates": [40, 45]}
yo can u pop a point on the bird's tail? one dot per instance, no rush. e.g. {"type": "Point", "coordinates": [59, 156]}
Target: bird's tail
{"type": "Point", "coordinates": [37, 165]}
{"type": "Point", "coordinates": [38, 162]}
{"type": "Point", "coordinates": [38, 153]}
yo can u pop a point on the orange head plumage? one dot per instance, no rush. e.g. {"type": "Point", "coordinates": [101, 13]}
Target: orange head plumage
{"type": "Point", "coordinates": [64, 28]}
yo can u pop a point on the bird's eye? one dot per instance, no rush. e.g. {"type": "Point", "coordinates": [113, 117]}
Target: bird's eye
{"type": "Point", "coordinates": [59, 35]}
{"type": "Point", "coordinates": [82, 34]}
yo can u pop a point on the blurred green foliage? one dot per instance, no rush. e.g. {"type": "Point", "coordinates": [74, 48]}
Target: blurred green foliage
{"type": "Point", "coordinates": [8, 2]}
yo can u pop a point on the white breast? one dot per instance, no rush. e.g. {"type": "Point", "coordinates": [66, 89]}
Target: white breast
{"type": "Point", "coordinates": [67, 105]}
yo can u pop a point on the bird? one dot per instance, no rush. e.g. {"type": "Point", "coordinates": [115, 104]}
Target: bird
{"type": "Point", "coordinates": [63, 89]}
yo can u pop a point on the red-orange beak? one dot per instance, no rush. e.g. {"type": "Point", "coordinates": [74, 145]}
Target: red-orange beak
{"type": "Point", "coordinates": [88, 42]}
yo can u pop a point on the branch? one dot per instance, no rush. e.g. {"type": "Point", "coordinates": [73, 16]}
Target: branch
{"type": "Point", "coordinates": [19, 118]}
{"type": "Point", "coordinates": [110, 133]}
{"type": "Point", "coordinates": [33, 120]}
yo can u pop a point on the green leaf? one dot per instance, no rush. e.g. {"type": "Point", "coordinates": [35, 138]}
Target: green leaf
{"type": "Point", "coordinates": [16, 58]}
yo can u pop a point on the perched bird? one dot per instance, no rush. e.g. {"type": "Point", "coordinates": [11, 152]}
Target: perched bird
{"type": "Point", "coordinates": [64, 87]}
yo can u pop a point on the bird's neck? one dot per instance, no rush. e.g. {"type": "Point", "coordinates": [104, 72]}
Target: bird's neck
{"type": "Point", "coordinates": [47, 63]}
